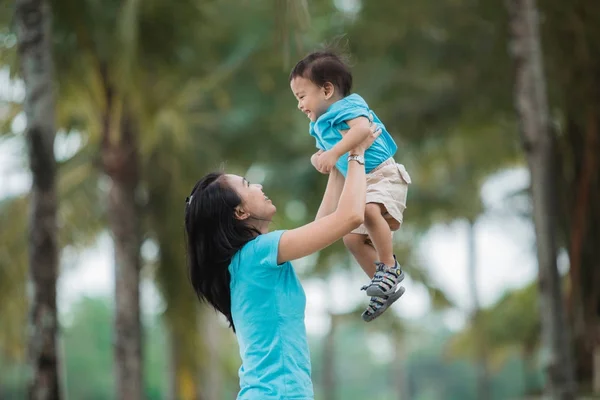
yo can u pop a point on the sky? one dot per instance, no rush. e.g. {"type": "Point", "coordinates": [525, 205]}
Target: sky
{"type": "Point", "coordinates": [504, 248]}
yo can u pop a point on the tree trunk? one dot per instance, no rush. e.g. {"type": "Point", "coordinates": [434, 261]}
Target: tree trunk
{"type": "Point", "coordinates": [476, 321]}
{"type": "Point", "coordinates": [182, 317]}
{"type": "Point", "coordinates": [570, 29]}
{"type": "Point", "coordinates": [582, 254]}
{"type": "Point", "coordinates": [596, 382]}
{"type": "Point", "coordinates": [583, 251]}
{"type": "Point", "coordinates": [33, 24]}
{"type": "Point", "coordinates": [120, 163]}
{"type": "Point", "coordinates": [532, 108]}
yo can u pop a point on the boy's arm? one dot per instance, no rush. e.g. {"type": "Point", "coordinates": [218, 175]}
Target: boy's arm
{"type": "Point", "coordinates": [360, 128]}
{"type": "Point", "coordinates": [358, 132]}
{"type": "Point", "coordinates": [314, 161]}
{"type": "Point", "coordinates": [332, 194]}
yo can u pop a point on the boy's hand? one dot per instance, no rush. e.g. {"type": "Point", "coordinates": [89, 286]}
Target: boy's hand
{"type": "Point", "coordinates": [314, 161]}
{"type": "Point", "coordinates": [326, 161]}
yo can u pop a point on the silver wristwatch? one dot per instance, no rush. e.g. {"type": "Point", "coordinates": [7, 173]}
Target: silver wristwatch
{"type": "Point", "coordinates": [357, 158]}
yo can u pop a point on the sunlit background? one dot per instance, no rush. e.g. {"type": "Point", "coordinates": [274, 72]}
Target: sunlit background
{"type": "Point", "coordinates": [206, 85]}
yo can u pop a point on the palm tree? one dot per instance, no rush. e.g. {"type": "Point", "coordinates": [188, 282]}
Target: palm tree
{"type": "Point", "coordinates": [115, 105]}
{"type": "Point", "coordinates": [532, 107]}
{"type": "Point", "coordinates": [33, 23]}
{"type": "Point", "coordinates": [569, 34]}
{"type": "Point", "coordinates": [166, 104]}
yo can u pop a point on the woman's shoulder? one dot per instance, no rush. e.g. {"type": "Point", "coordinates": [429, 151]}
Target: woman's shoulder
{"type": "Point", "coordinates": [262, 249]}
{"type": "Point", "coordinates": [265, 240]}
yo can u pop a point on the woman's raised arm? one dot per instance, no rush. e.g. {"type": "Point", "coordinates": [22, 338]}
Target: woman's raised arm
{"type": "Point", "coordinates": [310, 238]}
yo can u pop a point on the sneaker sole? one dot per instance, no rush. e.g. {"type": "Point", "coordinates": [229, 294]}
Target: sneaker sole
{"type": "Point", "coordinates": [391, 300]}
{"type": "Point", "coordinates": [375, 290]}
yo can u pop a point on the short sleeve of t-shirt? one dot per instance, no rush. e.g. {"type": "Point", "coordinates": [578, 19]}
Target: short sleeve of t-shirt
{"type": "Point", "coordinates": [266, 249]}
{"type": "Point", "coordinates": [258, 258]}
{"type": "Point", "coordinates": [348, 112]}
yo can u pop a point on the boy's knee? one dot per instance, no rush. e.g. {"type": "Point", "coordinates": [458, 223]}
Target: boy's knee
{"type": "Point", "coordinates": [394, 225]}
{"type": "Point", "coordinates": [349, 241]}
{"type": "Point", "coordinates": [353, 241]}
{"type": "Point", "coordinates": [373, 210]}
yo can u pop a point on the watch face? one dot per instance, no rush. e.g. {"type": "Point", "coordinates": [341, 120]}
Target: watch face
{"type": "Point", "coordinates": [359, 159]}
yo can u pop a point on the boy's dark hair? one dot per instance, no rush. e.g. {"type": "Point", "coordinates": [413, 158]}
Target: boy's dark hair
{"type": "Point", "coordinates": [324, 66]}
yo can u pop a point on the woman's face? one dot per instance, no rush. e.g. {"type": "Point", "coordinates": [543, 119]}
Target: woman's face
{"type": "Point", "coordinates": [255, 204]}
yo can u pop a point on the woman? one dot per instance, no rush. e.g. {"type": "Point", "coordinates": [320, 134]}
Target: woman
{"type": "Point", "coordinates": [244, 271]}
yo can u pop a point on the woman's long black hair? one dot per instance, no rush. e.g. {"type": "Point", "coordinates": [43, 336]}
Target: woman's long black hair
{"type": "Point", "coordinates": [214, 235]}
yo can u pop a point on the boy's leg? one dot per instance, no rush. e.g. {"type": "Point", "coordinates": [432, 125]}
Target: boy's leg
{"type": "Point", "coordinates": [379, 232]}
{"type": "Point", "coordinates": [388, 275]}
{"type": "Point", "coordinates": [363, 251]}
{"type": "Point", "coordinates": [386, 201]}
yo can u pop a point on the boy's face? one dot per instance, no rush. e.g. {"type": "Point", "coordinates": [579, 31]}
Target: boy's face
{"type": "Point", "coordinates": [312, 99]}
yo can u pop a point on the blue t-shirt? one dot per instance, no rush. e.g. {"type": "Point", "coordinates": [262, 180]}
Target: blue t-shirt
{"type": "Point", "coordinates": [326, 130]}
{"type": "Point", "coordinates": [267, 306]}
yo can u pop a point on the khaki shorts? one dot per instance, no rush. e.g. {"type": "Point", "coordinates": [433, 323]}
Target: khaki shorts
{"type": "Point", "coordinates": [387, 185]}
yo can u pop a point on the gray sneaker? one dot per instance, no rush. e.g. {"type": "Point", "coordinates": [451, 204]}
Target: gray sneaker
{"type": "Point", "coordinates": [385, 281]}
{"type": "Point", "coordinates": [378, 305]}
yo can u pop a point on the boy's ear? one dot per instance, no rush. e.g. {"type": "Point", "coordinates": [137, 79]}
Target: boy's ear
{"type": "Point", "coordinates": [328, 90]}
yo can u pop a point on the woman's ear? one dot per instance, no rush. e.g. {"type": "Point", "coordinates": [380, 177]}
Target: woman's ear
{"type": "Point", "coordinates": [241, 214]}
{"type": "Point", "coordinates": [328, 90]}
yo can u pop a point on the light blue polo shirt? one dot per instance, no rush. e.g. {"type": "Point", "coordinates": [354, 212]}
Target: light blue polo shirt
{"type": "Point", "coordinates": [326, 131]}
{"type": "Point", "coordinates": [267, 306]}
